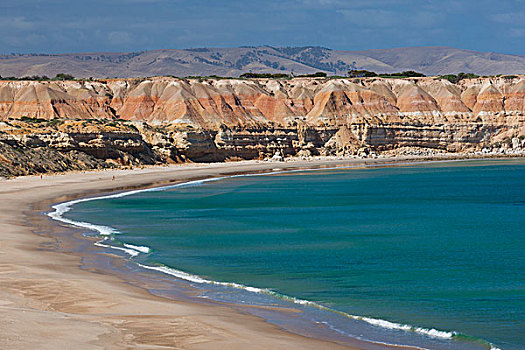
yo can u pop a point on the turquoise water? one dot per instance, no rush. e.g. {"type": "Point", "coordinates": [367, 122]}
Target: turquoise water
{"type": "Point", "coordinates": [438, 246]}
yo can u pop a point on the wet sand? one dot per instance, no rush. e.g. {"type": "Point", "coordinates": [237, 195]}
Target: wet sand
{"type": "Point", "coordinates": [48, 302]}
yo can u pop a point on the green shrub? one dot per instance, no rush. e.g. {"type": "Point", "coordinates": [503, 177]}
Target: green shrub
{"type": "Point", "coordinates": [457, 78]}
{"type": "Point", "coordinates": [313, 75]}
{"type": "Point", "coordinates": [361, 74]}
{"type": "Point", "coordinates": [405, 74]}
{"type": "Point", "coordinates": [63, 76]}
{"type": "Point", "coordinates": [54, 122]}
{"type": "Point", "coordinates": [265, 75]}
{"type": "Point", "coordinates": [31, 120]}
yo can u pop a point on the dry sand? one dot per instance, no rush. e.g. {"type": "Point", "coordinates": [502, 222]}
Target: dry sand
{"type": "Point", "coordinates": [48, 302]}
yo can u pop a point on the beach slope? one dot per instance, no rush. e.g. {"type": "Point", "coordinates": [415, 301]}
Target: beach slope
{"type": "Point", "coordinates": [48, 302]}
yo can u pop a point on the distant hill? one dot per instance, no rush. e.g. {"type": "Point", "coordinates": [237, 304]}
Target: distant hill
{"type": "Point", "coordinates": [265, 59]}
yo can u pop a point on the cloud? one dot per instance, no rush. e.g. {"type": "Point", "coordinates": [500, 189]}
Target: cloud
{"type": "Point", "coordinates": [513, 23]}
{"type": "Point", "coordinates": [16, 23]}
{"type": "Point", "coordinates": [127, 25]}
{"type": "Point", "coordinates": [119, 37]}
{"type": "Point", "coordinates": [379, 18]}
{"type": "Point", "coordinates": [370, 17]}
{"type": "Point", "coordinates": [510, 18]}
{"type": "Point", "coordinates": [517, 32]}
{"type": "Point", "coordinates": [354, 4]}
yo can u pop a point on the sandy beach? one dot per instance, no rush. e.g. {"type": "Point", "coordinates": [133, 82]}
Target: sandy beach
{"type": "Point", "coordinates": [48, 302]}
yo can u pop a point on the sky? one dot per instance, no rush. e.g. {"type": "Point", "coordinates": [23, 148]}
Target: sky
{"type": "Point", "coordinates": [64, 26]}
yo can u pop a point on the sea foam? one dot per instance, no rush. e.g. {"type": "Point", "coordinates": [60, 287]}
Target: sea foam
{"type": "Point", "coordinates": [142, 249]}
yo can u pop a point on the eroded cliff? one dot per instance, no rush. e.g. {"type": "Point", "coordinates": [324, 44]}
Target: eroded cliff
{"type": "Point", "coordinates": [146, 121]}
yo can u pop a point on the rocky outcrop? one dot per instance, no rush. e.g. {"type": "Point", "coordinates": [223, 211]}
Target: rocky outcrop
{"type": "Point", "coordinates": [28, 148]}
{"type": "Point", "coordinates": [17, 161]}
{"type": "Point", "coordinates": [146, 121]}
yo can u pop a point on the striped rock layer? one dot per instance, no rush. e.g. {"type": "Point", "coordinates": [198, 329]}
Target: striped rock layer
{"type": "Point", "coordinates": [426, 112]}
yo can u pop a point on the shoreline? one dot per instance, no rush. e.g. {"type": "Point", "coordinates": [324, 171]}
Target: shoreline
{"type": "Point", "coordinates": [113, 312]}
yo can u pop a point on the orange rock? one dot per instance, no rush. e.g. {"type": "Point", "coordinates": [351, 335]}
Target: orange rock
{"type": "Point", "coordinates": [210, 103]}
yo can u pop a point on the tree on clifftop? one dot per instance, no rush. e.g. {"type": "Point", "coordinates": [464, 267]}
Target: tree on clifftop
{"type": "Point", "coordinates": [361, 74]}
{"type": "Point", "coordinates": [265, 75]}
{"type": "Point", "coordinates": [407, 74]}
{"type": "Point", "coordinates": [457, 78]}
{"type": "Point", "coordinates": [63, 76]}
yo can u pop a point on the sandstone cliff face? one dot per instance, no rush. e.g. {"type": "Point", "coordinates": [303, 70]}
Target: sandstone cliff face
{"type": "Point", "coordinates": [209, 103]}
{"type": "Point", "coordinates": [217, 119]}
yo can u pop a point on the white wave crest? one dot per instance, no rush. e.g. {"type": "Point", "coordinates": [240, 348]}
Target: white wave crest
{"type": "Point", "coordinates": [133, 253]}
{"type": "Point", "coordinates": [384, 324]}
{"type": "Point", "coordinates": [62, 208]}
{"type": "Point", "coordinates": [434, 333]}
{"type": "Point", "coordinates": [176, 273]}
{"type": "Point", "coordinates": [142, 249]}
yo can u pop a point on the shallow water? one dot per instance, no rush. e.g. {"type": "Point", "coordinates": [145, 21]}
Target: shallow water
{"type": "Point", "coordinates": [436, 246]}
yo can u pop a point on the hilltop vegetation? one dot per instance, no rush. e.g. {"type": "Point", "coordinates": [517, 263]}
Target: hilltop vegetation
{"type": "Point", "coordinates": [59, 76]}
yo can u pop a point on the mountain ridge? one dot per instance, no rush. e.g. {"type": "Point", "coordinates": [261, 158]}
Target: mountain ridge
{"type": "Point", "coordinates": [233, 62]}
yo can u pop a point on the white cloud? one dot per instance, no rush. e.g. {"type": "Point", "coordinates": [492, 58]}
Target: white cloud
{"type": "Point", "coordinates": [513, 21]}
{"type": "Point", "coordinates": [17, 23]}
{"type": "Point", "coordinates": [352, 4]}
{"type": "Point", "coordinates": [388, 19]}
{"type": "Point", "coordinates": [509, 18]}
{"type": "Point", "coordinates": [517, 32]}
{"type": "Point", "coordinates": [119, 37]}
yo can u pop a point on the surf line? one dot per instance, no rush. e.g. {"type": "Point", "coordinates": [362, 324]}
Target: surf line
{"type": "Point", "coordinates": [107, 232]}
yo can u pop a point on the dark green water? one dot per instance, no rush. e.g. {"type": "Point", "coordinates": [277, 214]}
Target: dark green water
{"type": "Point", "coordinates": [438, 246]}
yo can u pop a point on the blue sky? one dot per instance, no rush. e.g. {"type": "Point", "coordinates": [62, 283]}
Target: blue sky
{"type": "Point", "coordinates": [53, 26]}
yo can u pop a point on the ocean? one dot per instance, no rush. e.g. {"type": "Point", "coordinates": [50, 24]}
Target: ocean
{"type": "Point", "coordinates": [430, 255]}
